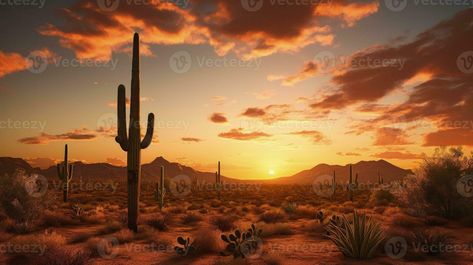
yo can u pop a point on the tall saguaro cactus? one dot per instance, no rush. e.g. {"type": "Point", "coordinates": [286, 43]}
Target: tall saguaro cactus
{"type": "Point", "coordinates": [160, 190]}
{"type": "Point", "coordinates": [334, 185]}
{"type": "Point", "coordinates": [64, 172]}
{"type": "Point", "coordinates": [218, 181]}
{"type": "Point", "coordinates": [350, 186]}
{"type": "Point", "coordinates": [132, 143]}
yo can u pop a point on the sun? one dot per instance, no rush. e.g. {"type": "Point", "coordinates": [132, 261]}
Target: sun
{"type": "Point", "coordinates": [271, 172]}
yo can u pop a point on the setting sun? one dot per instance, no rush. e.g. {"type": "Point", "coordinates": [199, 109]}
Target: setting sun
{"type": "Point", "coordinates": [271, 172]}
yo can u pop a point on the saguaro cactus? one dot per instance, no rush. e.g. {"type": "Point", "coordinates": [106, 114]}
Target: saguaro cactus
{"type": "Point", "coordinates": [350, 186]}
{"type": "Point", "coordinates": [334, 184]}
{"type": "Point", "coordinates": [160, 190]}
{"type": "Point", "coordinates": [132, 143]}
{"type": "Point", "coordinates": [64, 172]}
{"type": "Point", "coordinates": [356, 180]}
{"type": "Point", "coordinates": [218, 181]}
{"type": "Point", "coordinates": [380, 179]}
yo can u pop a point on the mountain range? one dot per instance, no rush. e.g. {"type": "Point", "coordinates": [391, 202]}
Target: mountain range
{"type": "Point", "coordinates": [366, 170]}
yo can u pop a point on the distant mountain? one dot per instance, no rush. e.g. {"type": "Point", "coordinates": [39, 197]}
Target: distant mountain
{"type": "Point", "coordinates": [367, 172]}
{"type": "Point", "coordinates": [150, 171]}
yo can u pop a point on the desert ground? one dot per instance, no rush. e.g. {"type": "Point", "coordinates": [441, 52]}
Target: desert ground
{"type": "Point", "coordinates": [91, 227]}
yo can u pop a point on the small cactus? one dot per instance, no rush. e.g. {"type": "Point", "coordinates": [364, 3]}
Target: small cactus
{"type": "Point", "coordinates": [350, 187]}
{"type": "Point", "coordinates": [64, 172]}
{"type": "Point", "coordinates": [160, 190]}
{"type": "Point", "coordinates": [218, 181]}
{"type": "Point", "coordinates": [242, 244]}
{"type": "Point", "coordinates": [186, 248]}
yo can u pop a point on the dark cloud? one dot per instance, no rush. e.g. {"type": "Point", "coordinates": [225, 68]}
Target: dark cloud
{"type": "Point", "coordinates": [239, 134]}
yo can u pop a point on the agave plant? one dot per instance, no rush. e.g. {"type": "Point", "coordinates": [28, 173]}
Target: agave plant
{"type": "Point", "coordinates": [358, 239]}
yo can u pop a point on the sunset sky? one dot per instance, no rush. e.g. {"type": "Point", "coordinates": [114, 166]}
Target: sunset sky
{"type": "Point", "coordinates": [269, 90]}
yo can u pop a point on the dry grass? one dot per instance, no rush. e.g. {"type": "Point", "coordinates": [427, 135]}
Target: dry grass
{"type": "Point", "coordinates": [272, 217]}
{"type": "Point", "coordinates": [191, 218]}
{"type": "Point", "coordinates": [207, 241]}
{"type": "Point", "coordinates": [280, 229]}
{"type": "Point", "coordinates": [223, 222]}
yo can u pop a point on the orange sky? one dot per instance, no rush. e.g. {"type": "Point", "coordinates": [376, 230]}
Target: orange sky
{"type": "Point", "coordinates": [269, 92]}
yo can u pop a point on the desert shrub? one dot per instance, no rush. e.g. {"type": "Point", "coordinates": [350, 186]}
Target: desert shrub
{"type": "Point", "coordinates": [382, 198]}
{"type": "Point", "coordinates": [429, 243]}
{"type": "Point", "coordinates": [124, 236]}
{"type": "Point", "coordinates": [206, 241]}
{"type": "Point", "coordinates": [272, 217]}
{"type": "Point", "coordinates": [158, 222]}
{"type": "Point", "coordinates": [223, 222]}
{"type": "Point", "coordinates": [191, 218]}
{"type": "Point", "coordinates": [358, 238]}
{"type": "Point", "coordinates": [109, 228]}
{"type": "Point", "coordinates": [24, 209]}
{"type": "Point", "coordinates": [289, 207]}
{"type": "Point", "coordinates": [438, 186]}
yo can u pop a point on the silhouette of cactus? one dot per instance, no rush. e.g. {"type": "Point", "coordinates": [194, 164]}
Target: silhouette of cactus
{"type": "Point", "coordinates": [160, 190]}
{"type": "Point", "coordinates": [218, 181]}
{"type": "Point", "coordinates": [356, 180]}
{"type": "Point", "coordinates": [334, 184]}
{"type": "Point", "coordinates": [242, 244]}
{"type": "Point", "coordinates": [380, 179]}
{"type": "Point", "coordinates": [132, 143]}
{"type": "Point", "coordinates": [187, 246]}
{"type": "Point", "coordinates": [64, 172]}
{"type": "Point", "coordinates": [350, 186]}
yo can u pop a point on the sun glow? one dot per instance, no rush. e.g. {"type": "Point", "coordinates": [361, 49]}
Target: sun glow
{"type": "Point", "coordinates": [271, 172]}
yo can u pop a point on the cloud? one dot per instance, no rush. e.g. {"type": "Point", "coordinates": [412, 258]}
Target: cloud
{"type": "Point", "coordinates": [435, 51]}
{"type": "Point", "coordinates": [239, 134]}
{"type": "Point", "coordinates": [391, 136]}
{"type": "Point", "coordinates": [223, 24]}
{"type": "Point", "coordinates": [271, 113]}
{"type": "Point", "coordinates": [264, 94]}
{"type": "Point", "coordinates": [399, 155]}
{"type": "Point", "coordinates": [254, 112]}
{"type": "Point", "coordinates": [219, 100]}
{"type": "Point", "coordinates": [75, 135]}
{"type": "Point", "coordinates": [315, 136]}
{"type": "Point", "coordinates": [116, 161]}
{"type": "Point", "coordinates": [218, 118]}
{"type": "Point", "coordinates": [350, 13]}
{"type": "Point", "coordinates": [449, 137]}
{"type": "Point", "coordinates": [309, 70]}
{"type": "Point", "coordinates": [348, 154]}
{"type": "Point", "coordinates": [15, 62]}
{"type": "Point", "coordinates": [191, 139]}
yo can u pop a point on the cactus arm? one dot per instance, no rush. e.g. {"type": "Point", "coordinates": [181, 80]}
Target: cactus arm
{"type": "Point", "coordinates": [149, 132]}
{"type": "Point", "coordinates": [71, 172]}
{"type": "Point", "coordinates": [122, 137]}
